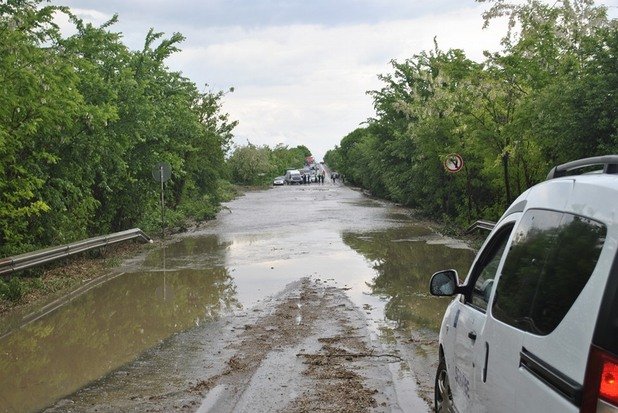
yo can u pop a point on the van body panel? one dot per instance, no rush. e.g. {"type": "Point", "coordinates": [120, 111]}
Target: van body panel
{"type": "Point", "coordinates": [551, 195]}
{"type": "Point", "coordinates": [606, 330]}
{"type": "Point", "coordinates": [534, 395]}
{"type": "Point", "coordinates": [504, 344]}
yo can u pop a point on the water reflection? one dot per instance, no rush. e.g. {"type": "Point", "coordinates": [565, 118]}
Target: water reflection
{"type": "Point", "coordinates": [189, 252]}
{"type": "Point", "coordinates": [403, 259]}
{"type": "Point", "coordinates": [112, 324]}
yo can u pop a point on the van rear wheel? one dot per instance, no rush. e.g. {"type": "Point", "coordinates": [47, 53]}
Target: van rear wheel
{"type": "Point", "coordinates": [443, 398]}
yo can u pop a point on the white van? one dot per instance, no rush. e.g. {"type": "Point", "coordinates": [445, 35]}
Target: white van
{"type": "Point", "coordinates": [534, 327]}
{"type": "Point", "coordinates": [292, 176]}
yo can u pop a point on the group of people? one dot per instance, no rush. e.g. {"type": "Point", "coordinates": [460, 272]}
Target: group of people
{"type": "Point", "coordinates": [335, 176]}
{"type": "Point", "coordinates": [319, 178]}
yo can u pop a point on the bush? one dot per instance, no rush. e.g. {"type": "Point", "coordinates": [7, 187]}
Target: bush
{"type": "Point", "coordinates": [191, 208]}
{"type": "Point", "coordinates": [226, 191]}
{"type": "Point", "coordinates": [12, 290]}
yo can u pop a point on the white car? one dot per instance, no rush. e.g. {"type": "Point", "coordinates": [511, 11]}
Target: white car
{"type": "Point", "coordinates": [280, 180]}
{"type": "Point", "coordinates": [534, 327]}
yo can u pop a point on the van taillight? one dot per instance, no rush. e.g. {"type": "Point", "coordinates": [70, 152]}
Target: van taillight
{"type": "Point", "coordinates": [601, 382]}
{"type": "Point", "coordinates": [609, 382]}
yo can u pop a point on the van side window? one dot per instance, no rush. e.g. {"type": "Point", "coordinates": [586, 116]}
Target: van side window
{"type": "Point", "coordinates": [486, 269]}
{"type": "Point", "coordinates": [551, 258]}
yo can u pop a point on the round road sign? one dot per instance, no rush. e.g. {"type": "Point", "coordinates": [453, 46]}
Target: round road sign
{"type": "Point", "coordinates": [161, 172]}
{"type": "Point", "coordinates": [453, 163]}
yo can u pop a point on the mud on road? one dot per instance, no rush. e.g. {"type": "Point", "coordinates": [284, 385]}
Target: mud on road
{"type": "Point", "coordinates": [312, 353]}
{"type": "Point", "coordinates": [306, 350]}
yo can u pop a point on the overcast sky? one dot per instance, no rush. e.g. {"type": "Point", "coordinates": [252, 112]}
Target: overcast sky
{"type": "Point", "coordinates": [300, 68]}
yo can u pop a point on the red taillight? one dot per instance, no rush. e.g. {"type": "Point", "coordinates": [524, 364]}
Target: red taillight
{"type": "Point", "coordinates": [601, 381]}
{"type": "Point", "coordinates": [608, 389]}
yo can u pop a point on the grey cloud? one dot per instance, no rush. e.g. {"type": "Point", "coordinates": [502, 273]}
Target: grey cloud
{"type": "Point", "coordinates": [196, 13]}
{"type": "Point", "coordinates": [300, 68]}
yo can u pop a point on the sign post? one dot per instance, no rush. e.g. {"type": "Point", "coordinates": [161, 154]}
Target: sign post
{"type": "Point", "coordinates": [161, 172]}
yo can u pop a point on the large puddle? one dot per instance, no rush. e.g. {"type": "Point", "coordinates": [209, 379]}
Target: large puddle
{"type": "Point", "coordinates": [266, 240]}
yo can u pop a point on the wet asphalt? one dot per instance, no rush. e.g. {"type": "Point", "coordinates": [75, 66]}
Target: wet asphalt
{"type": "Point", "coordinates": [259, 243]}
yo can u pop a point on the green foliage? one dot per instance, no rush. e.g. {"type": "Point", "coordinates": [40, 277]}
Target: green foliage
{"type": "Point", "coordinates": [258, 165]}
{"type": "Point", "coordinates": [548, 97]}
{"type": "Point", "coordinates": [250, 164]}
{"type": "Point", "coordinates": [83, 120]}
{"type": "Point", "coordinates": [12, 290]}
{"type": "Point", "coordinates": [226, 191]}
{"type": "Point", "coordinates": [283, 158]}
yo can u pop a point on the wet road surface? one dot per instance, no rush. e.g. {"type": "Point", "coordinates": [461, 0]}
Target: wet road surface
{"type": "Point", "coordinates": [142, 329]}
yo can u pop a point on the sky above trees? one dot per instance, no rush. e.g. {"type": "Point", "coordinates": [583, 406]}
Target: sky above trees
{"type": "Point", "coordinates": [300, 69]}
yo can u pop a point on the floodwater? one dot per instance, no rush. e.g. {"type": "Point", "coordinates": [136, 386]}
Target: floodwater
{"type": "Point", "coordinates": [261, 242]}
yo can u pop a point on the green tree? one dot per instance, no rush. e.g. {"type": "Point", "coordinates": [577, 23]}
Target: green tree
{"type": "Point", "coordinates": [250, 164]}
{"type": "Point", "coordinates": [258, 165]}
{"type": "Point", "coordinates": [547, 97]}
{"type": "Point", "coordinates": [82, 122]}
{"type": "Point", "coordinates": [38, 107]}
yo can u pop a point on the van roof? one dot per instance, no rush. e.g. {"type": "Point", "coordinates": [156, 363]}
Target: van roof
{"type": "Point", "coordinates": [586, 195]}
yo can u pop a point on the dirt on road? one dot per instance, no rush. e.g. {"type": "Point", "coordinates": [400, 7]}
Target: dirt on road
{"type": "Point", "coordinates": [311, 352]}
{"type": "Point", "coordinates": [306, 350]}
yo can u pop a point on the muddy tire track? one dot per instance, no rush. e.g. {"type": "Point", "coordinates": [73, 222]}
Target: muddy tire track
{"type": "Point", "coordinates": [332, 378]}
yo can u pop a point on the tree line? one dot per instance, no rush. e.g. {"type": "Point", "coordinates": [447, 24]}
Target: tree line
{"type": "Point", "coordinates": [258, 165]}
{"type": "Point", "coordinates": [83, 120]}
{"type": "Point", "coordinates": [549, 96]}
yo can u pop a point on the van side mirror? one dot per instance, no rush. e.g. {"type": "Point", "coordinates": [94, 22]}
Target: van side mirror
{"type": "Point", "coordinates": [444, 283]}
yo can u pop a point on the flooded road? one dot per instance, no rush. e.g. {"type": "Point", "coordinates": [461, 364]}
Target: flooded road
{"type": "Point", "coordinates": [151, 326]}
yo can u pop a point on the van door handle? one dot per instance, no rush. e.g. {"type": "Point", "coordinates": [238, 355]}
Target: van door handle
{"type": "Point", "coordinates": [472, 335]}
{"type": "Point", "coordinates": [486, 360]}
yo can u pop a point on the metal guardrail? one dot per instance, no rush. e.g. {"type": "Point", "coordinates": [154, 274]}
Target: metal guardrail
{"type": "Point", "coordinates": [481, 224]}
{"type": "Point", "coordinates": [32, 259]}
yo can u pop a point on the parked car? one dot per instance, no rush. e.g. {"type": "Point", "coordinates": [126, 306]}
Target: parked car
{"type": "Point", "coordinates": [534, 327]}
{"type": "Point", "coordinates": [280, 180]}
{"type": "Point", "coordinates": [292, 176]}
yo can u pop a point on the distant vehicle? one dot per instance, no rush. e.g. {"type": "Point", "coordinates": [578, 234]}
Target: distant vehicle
{"type": "Point", "coordinates": [534, 327]}
{"type": "Point", "coordinates": [292, 176]}
{"type": "Point", "coordinates": [280, 180]}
